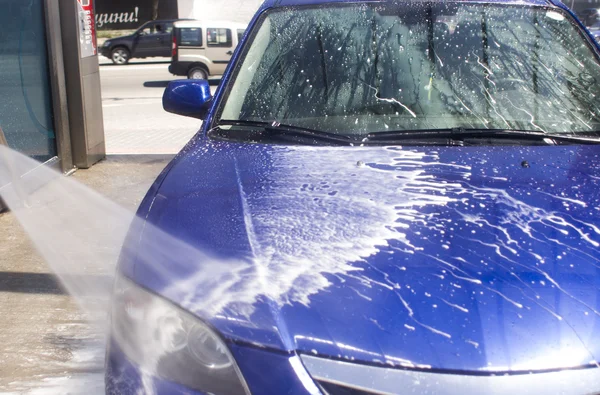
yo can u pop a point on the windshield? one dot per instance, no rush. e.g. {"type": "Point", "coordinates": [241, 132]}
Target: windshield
{"type": "Point", "coordinates": [366, 68]}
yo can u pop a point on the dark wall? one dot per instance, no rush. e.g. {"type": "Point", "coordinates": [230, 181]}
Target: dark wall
{"type": "Point", "coordinates": [130, 14]}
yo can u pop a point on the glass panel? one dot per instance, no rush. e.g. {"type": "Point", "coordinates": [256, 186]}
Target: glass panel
{"type": "Point", "coordinates": [149, 30]}
{"type": "Point", "coordinates": [218, 37]}
{"type": "Point", "coordinates": [409, 66]}
{"type": "Point", "coordinates": [191, 37]}
{"type": "Point", "coordinates": [25, 105]}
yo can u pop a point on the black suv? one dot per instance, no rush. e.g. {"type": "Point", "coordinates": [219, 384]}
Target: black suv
{"type": "Point", "coordinates": [151, 39]}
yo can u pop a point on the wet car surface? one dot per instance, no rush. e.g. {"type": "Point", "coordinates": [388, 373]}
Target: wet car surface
{"type": "Point", "coordinates": [363, 232]}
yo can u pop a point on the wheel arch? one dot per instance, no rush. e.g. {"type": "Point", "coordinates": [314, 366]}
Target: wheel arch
{"type": "Point", "coordinates": [201, 65]}
{"type": "Point", "coordinates": [120, 45]}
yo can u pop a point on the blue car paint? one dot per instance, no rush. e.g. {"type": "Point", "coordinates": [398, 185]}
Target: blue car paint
{"type": "Point", "coordinates": [510, 293]}
{"type": "Point", "coordinates": [479, 303]}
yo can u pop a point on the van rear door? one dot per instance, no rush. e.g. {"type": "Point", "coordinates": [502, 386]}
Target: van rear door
{"type": "Point", "coordinates": [219, 48]}
{"type": "Point", "coordinates": [190, 45]}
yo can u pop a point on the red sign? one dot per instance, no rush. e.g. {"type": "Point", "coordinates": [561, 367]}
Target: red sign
{"type": "Point", "coordinates": [87, 28]}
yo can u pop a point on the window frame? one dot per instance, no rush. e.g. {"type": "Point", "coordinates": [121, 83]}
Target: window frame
{"type": "Point", "coordinates": [195, 45]}
{"type": "Point", "coordinates": [228, 34]}
{"type": "Point", "coordinates": [240, 34]}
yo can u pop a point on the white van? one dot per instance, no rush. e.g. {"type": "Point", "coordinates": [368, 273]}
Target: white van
{"type": "Point", "coordinates": [202, 49]}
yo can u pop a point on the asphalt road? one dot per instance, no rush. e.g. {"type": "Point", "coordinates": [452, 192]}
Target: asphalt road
{"type": "Point", "coordinates": [134, 120]}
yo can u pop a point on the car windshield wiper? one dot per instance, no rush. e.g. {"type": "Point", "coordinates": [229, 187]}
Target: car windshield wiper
{"type": "Point", "coordinates": [461, 133]}
{"type": "Point", "coordinates": [266, 129]}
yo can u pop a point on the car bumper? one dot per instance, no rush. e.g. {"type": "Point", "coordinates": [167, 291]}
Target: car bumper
{"type": "Point", "coordinates": [265, 372]}
{"type": "Point", "coordinates": [104, 51]}
{"type": "Point", "coordinates": [272, 372]}
{"type": "Point", "coordinates": [180, 68]}
{"type": "Point", "coordinates": [123, 377]}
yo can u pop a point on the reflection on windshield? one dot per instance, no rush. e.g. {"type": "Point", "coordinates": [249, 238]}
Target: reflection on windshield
{"type": "Point", "coordinates": [368, 68]}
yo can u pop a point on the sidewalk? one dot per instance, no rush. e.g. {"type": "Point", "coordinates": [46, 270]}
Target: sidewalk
{"type": "Point", "coordinates": [134, 119]}
{"type": "Point", "coordinates": [46, 345]}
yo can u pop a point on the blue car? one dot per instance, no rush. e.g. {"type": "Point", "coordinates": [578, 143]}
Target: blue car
{"type": "Point", "coordinates": [386, 197]}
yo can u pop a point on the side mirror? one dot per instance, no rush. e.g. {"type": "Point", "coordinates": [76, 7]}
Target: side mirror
{"type": "Point", "coordinates": [190, 98]}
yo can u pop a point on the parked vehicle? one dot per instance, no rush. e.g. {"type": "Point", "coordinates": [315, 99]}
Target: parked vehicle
{"type": "Point", "coordinates": [377, 203]}
{"type": "Point", "coordinates": [595, 30]}
{"type": "Point", "coordinates": [590, 16]}
{"type": "Point", "coordinates": [152, 39]}
{"type": "Point", "coordinates": [202, 49]}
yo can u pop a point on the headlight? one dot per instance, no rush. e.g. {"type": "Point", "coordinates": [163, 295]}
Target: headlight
{"type": "Point", "coordinates": [107, 43]}
{"type": "Point", "coordinates": [165, 341]}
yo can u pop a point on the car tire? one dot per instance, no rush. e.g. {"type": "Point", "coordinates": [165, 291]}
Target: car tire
{"type": "Point", "coordinates": [197, 73]}
{"type": "Point", "coordinates": [120, 56]}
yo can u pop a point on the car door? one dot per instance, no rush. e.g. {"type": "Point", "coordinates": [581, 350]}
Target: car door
{"type": "Point", "coordinates": [190, 46]}
{"type": "Point", "coordinates": [147, 41]}
{"type": "Point", "coordinates": [219, 48]}
{"type": "Point", "coordinates": [165, 30]}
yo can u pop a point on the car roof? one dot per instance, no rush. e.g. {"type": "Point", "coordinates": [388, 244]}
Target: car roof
{"type": "Point", "coordinates": [200, 23]}
{"type": "Point", "coordinates": [285, 3]}
{"type": "Point", "coordinates": [165, 21]}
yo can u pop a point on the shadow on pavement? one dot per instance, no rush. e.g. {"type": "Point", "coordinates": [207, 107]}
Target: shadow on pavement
{"type": "Point", "coordinates": [156, 84]}
{"type": "Point", "coordinates": [30, 283]}
{"type": "Point", "coordinates": [40, 283]}
{"type": "Point", "coordinates": [163, 84]}
{"type": "Point", "coordinates": [133, 64]}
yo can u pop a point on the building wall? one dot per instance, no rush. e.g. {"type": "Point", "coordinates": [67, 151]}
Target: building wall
{"type": "Point", "coordinates": [130, 14]}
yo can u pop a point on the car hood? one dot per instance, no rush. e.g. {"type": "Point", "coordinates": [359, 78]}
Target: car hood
{"type": "Point", "coordinates": [121, 39]}
{"type": "Point", "coordinates": [448, 258]}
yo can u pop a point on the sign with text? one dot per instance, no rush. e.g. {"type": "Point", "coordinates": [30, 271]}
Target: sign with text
{"type": "Point", "coordinates": [87, 29]}
{"type": "Point", "coordinates": [131, 14]}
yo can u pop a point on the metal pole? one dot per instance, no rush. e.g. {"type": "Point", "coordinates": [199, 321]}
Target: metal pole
{"type": "Point", "coordinates": [83, 90]}
{"type": "Point", "coordinates": [3, 205]}
{"type": "Point", "coordinates": [58, 85]}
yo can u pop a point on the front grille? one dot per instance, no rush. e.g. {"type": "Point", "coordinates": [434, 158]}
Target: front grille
{"type": "Point", "coordinates": [337, 389]}
{"type": "Point", "coordinates": [348, 378]}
